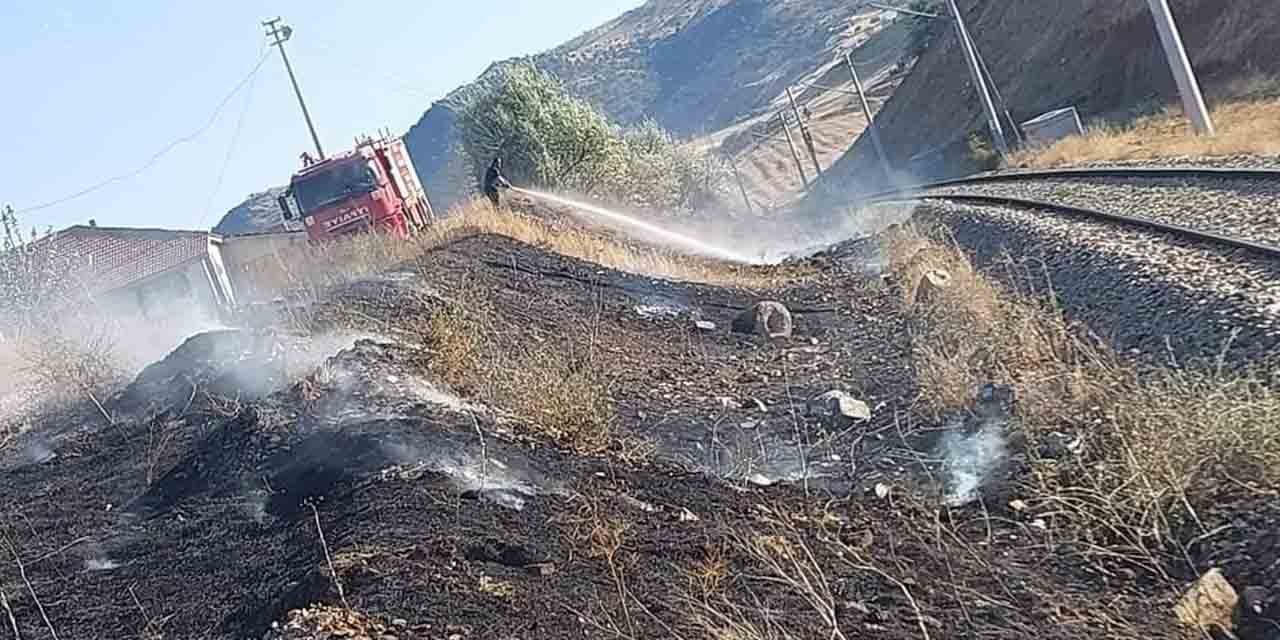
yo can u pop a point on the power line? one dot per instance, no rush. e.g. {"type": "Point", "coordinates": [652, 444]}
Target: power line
{"type": "Point", "coordinates": [159, 154]}
{"type": "Point", "coordinates": [231, 149]}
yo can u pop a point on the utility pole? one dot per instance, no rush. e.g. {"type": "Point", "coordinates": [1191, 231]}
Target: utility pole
{"type": "Point", "coordinates": [741, 186]}
{"type": "Point", "coordinates": [281, 35]}
{"type": "Point", "coordinates": [804, 133]}
{"type": "Point", "coordinates": [872, 130]}
{"type": "Point", "coordinates": [1180, 64]}
{"type": "Point", "coordinates": [1001, 105]}
{"type": "Point", "coordinates": [795, 155]}
{"type": "Point", "coordinates": [971, 55]}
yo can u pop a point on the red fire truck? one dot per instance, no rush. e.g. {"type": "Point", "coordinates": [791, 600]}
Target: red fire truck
{"type": "Point", "coordinates": [371, 188]}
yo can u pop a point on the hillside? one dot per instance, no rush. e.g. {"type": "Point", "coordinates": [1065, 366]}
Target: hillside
{"type": "Point", "coordinates": [257, 214]}
{"type": "Point", "coordinates": [695, 66]}
{"type": "Point", "coordinates": [1038, 56]}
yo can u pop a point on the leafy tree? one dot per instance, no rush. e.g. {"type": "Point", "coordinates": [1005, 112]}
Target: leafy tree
{"type": "Point", "coordinates": [552, 140]}
{"type": "Point", "coordinates": [545, 137]}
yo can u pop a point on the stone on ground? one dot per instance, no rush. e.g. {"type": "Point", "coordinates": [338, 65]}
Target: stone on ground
{"type": "Point", "coordinates": [838, 405]}
{"type": "Point", "coordinates": [767, 318]}
{"type": "Point", "coordinates": [931, 286]}
{"type": "Point", "coordinates": [1210, 602]}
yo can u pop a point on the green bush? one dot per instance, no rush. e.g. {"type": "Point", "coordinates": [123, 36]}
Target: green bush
{"type": "Point", "coordinates": [549, 139]}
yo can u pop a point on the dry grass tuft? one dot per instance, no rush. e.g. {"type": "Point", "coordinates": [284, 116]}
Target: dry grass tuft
{"type": "Point", "coordinates": [496, 588]}
{"type": "Point", "coordinates": [607, 250]}
{"type": "Point", "coordinates": [1153, 473]}
{"type": "Point", "coordinates": [49, 368]}
{"type": "Point", "coordinates": [314, 268]}
{"type": "Point", "coordinates": [561, 391]}
{"type": "Point", "coordinates": [707, 575]}
{"type": "Point", "coordinates": [1247, 127]}
{"type": "Point", "coordinates": [970, 333]}
{"type": "Point", "coordinates": [1158, 448]}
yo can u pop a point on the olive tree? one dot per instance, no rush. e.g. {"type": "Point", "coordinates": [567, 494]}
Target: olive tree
{"type": "Point", "coordinates": [553, 140]}
{"type": "Point", "coordinates": [545, 136]}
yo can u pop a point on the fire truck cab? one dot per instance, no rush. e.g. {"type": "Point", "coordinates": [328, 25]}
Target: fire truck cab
{"type": "Point", "coordinates": [371, 188]}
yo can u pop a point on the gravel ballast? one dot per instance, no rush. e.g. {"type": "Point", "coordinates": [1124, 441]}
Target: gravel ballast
{"type": "Point", "coordinates": [1248, 209]}
{"type": "Point", "coordinates": [1153, 294]}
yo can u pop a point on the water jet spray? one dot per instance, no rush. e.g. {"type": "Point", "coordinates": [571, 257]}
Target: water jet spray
{"type": "Point", "coordinates": [692, 245]}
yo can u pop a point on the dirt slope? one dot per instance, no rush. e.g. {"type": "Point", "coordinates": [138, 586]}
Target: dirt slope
{"type": "Point", "coordinates": [1101, 56]}
{"type": "Point", "coordinates": [192, 515]}
{"type": "Point", "coordinates": [831, 110]}
{"type": "Point", "coordinates": [446, 519]}
{"type": "Point", "coordinates": [695, 66]}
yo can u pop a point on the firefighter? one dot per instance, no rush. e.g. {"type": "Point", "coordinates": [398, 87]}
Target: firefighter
{"type": "Point", "coordinates": [493, 180]}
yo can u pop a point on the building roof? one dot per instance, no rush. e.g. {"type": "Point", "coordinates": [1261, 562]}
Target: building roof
{"type": "Point", "coordinates": [114, 257]}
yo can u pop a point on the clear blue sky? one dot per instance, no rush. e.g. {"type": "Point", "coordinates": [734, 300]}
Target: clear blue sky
{"type": "Point", "coordinates": [94, 89]}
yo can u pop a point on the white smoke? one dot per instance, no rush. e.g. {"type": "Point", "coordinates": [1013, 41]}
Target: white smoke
{"type": "Point", "coordinates": [969, 459]}
{"type": "Point", "coordinates": [100, 564]}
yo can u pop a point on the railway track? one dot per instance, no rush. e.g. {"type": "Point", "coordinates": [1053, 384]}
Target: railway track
{"type": "Point", "coordinates": [1235, 208]}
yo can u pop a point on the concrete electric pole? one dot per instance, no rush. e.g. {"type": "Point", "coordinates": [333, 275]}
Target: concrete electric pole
{"type": "Point", "coordinates": [979, 84]}
{"type": "Point", "coordinates": [805, 135]}
{"type": "Point", "coordinates": [872, 130]}
{"type": "Point", "coordinates": [281, 34]}
{"type": "Point", "coordinates": [1180, 64]}
{"type": "Point", "coordinates": [791, 142]}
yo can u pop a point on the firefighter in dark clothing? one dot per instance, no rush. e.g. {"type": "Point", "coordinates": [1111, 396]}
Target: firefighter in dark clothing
{"type": "Point", "coordinates": [493, 180]}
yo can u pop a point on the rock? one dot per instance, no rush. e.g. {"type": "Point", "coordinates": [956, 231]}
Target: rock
{"type": "Point", "coordinates": [541, 569]}
{"type": "Point", "coordinates": [1056, 445]}
{"type": "Point", "coordinates": [638, 504]}
{"type": "Point", "coordinates": [729, 403]}
{"type": "Point", "coordinates": [1255, 600]}
{"type": "Point", "coordinates": [767, 318]}
{"type": "Point", "coordinates": [705, 325]}
{"type": "Point", "coordinates": [933, 283]}
{"type": "Point", "coordinates": [883, 490]}
{"type": "Point", "coordinates": [1018, 505]}
{"type": "Point", "coordinates": [838, 405]}
{"type": "Point", "coordinates": [1210, 602]}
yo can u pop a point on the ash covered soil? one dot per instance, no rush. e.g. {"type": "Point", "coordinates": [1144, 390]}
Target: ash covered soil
{"type": "Point", "coordinates": [243, 471]}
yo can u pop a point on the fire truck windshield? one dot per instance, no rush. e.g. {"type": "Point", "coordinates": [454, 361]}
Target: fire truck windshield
{"type": "Point", "coordinates": [335, 183]}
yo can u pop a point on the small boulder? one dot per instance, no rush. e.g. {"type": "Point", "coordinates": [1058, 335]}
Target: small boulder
{"type": "Point", "coordinates": [1255, 600]}
{"type": "Point", "coordinates": [1210, 602]}
{"type": "Point", "coordinates": [705, 325]}
{"type": "Point", "coordinates": [768, 319]}
{"type": "Point", "coordinates": [932, 286]}
{"type": "Point", "coordinates": [839, 406]}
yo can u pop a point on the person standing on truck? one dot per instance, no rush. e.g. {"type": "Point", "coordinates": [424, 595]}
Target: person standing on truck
{"type": "Point", "coordinates": [493, 180]}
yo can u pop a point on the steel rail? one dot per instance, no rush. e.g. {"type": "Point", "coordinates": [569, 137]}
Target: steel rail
{"type": "Point", "coordinates": [1131, 173]}
{"type": "Point", "coordinates": [1270, 251]}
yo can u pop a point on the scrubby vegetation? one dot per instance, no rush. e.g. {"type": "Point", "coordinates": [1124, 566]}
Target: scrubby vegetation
{"type": "Point", "coordinates": [1124, 464]}
{"type": "Point", "coordinates": [551, 140]}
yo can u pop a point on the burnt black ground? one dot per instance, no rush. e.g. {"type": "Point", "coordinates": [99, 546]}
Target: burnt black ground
{"type": "Point", "coordinates": [220, 539]}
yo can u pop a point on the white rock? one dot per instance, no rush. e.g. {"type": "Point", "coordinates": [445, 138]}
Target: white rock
{"type": "Point", "coordinates": [1210, 602]}
{"type": "Point", "coordinates": [838, 404]}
